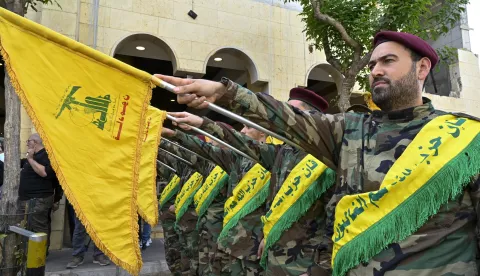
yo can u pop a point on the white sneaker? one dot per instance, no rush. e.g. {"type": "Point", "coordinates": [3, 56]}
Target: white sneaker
{"type": "Point", "coordinates": [149, 242]}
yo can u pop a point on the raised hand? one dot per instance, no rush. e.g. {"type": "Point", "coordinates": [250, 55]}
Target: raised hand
{"type": "Point", "coordinates": [166, 132]}
{"type": "Point", "coordinates": [184, 118]}
{"type": "Point", "coordinates": [261, 247]}
{"type": "Point", "coordinates": [194, 92]}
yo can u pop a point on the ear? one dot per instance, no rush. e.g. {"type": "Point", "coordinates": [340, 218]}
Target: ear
{"type": "Point", "coordinates": [423, 67]}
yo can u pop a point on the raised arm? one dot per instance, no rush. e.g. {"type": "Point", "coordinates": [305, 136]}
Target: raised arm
{"type": "Point", "coordinates": [223, 157]}
{"type": "Point", "coordinates": [181, 168]}
{"type": "Point", "coordinates": [163, 171]}
{"type": "Point", "coordinates": [317, 133]}
{"type": "Point", "coordinates": [263, 152]}
{"type": "Point", "coordinates": [179, 152]}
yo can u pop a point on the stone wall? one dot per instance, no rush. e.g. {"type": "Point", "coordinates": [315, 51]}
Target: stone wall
{"type": "Point", "coordinates": [466, 78]}
{"type": "Point", "coordinates": [270, 35]}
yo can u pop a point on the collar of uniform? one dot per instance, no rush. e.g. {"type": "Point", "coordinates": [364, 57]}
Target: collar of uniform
{"type": "Point", "coordinates": [405, 114]}
{"type": "Point", "coordinates": [39, 152]}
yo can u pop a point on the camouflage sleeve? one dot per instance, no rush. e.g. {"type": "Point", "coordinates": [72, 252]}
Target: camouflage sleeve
{"type": "Point", "coordinates": [317, 133]}
{"type": "Point", "coordinates": [183, 170]}
{"type": "Point", "coordinates": [323, 254]}
{"type": "Point", "coordinates": [178, 152]}
{"type": "Point", "coordinates": [264, 153]}
{"type": "Point", "coordinates": [474, 191]}
{"type": "Point", "coordinates": [212, 128]}
{"type": "Point", "coordinates": [199, 165]}
{"type": "Point", "coordinates": [222, 157]}
{"type": "Point", "coordinates": [169, 160]}
{"type": "Point", "coordinates": [163, 171]}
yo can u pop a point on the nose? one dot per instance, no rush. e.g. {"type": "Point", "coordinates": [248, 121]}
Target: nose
{"type": "Point", "coordinates": [244, 130]}
{"type": "Point", "coordinates": [377, 71]}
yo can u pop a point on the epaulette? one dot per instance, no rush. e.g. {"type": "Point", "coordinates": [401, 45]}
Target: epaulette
{"type": "Point", "coordinates": [460, 114]}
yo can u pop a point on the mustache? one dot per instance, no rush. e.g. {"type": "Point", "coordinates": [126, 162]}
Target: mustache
{"type": "Point", "coordinates": [380, 79]}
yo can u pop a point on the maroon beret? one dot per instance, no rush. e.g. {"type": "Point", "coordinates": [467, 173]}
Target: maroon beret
{"type": "Point", "coordinates": [413, 42]}
{"type": "Point", "coordinates": [309, 97]}
{"type": "Point", "coordinates": [225, 124]}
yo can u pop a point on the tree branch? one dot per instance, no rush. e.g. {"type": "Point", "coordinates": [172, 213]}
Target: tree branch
{"type": "Point", "coordinates": [364, 61]}
{"type": "Point", "coordinates": [358, 66]}
{"type": "Point", "coordinates": [328, 54]}
{"type": "Point", "coordinates": [357, 48]}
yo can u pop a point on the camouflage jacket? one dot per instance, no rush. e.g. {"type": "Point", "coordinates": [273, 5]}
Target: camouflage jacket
{"type": "Point", "coordinates": [211, 223]}
{"type": "Point", "coordinates": [362, 148]}
{"type": "Point", "coordinates": [299, 242]}
{"type": "Point", "coordinates": [164, 173]}
{"type": "Point", "coordinates": [245, 238]}
{"type": "Point", "coordinates": [200, 165]}
{"type": "Point", "coordinates": [183, 172]}
{"type": "Point", "coordinates": [188, 222]}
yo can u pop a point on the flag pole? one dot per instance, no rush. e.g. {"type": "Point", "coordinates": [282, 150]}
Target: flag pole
{"type": "Point", "coordinates": [184, 148]}
{"type": "Point", "coordinates": [229, 114]}
{"type": "Point", "coordinates": [166, 166]}
{"type": "Point", "coordinates": [178, 157]}
{"type": "Point", "coordinates": [199, 131]}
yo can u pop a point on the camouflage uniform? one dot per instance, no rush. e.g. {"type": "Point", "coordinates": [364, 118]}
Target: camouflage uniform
{"type": "Point", "coordinates": [362, 148]}
{"type": "Point", "coordinates": [187, 225]}
{"type": "Point", "coordinates": [237, 253]}
{"type": "Point", "coordinates": [293, 253]}
{"type": "Point", "coordinates": [171, 238]}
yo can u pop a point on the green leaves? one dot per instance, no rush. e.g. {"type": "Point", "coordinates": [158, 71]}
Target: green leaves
{"type": "Point", "coordinates": [33, 4]}
{"type": "Point", "coordinates": [362, 19]}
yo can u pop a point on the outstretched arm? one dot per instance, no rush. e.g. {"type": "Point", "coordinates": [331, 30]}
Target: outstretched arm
{"type": "Point", "coordinates": [317, 133]}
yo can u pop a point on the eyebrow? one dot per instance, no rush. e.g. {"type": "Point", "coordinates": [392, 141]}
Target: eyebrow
{"type": "Point", "coordinates": [372, 62]}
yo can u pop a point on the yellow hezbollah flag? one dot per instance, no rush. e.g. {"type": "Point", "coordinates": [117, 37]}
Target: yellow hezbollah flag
{"type": "Point", "coordinates": [147, 192]}
{"type": "Point", "coordinates": [90, 111]}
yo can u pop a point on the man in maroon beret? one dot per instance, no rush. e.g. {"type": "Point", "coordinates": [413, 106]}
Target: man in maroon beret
{"type": "Point", "coordinates": [401, 85]}
{"type": "Point", "coordinates": [293, 253]}
{"type": "Point", "coordinates": [307, 100]}
{"type": "Point", "coordinates": [397, 210]}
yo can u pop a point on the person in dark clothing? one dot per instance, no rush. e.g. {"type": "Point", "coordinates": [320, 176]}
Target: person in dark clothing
{"type": "Point", "coordinates": [39, 187]}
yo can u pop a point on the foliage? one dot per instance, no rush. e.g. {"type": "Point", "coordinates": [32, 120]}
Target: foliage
{"type": "Point", "coordinates": [361, 19]}
{"type": "Point", "coordinates": [447, 55]}
{"type": "Point", "coordinates": [33, 4]}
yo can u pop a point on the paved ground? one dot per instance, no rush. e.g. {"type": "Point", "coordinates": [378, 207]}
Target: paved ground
{"type": "Point", "coordinates": [153, 263]}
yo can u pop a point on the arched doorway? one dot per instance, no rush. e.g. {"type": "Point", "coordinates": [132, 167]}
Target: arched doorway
{"type": "Point", "coordinates": [150, 54]}
{"type": "Point", "coordinates": [236, 65]}
{"type": "Point", "coordinates": [325, 80]}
